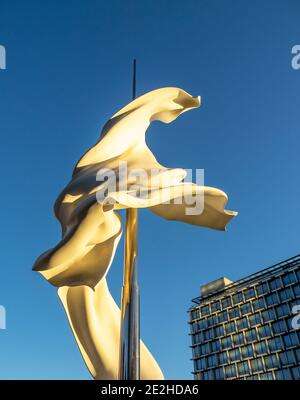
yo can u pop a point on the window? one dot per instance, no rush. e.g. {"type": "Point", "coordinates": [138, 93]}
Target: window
{"type": "Point", "coordinates": [205, 348]}
{"type": "Point", "coordinates": [215, 346]}
{"type": "Point", "coordinates": [212, 320]}
{"type": "Point", "coordinates": [275, 283]}
{"type": "Point", "coordinates": [223, 316]}
{"type": "Point", "coordinates": [216, 306]}
{"type": "Point", "coordinates": [196, 338]}
{"type": "Point", "coordinates": [264, 331]}
{"type": "Point", "coordinates": [247, 351]}
{"type": "Point", "coordinates": [230, 327]}
{"type": "Point", "coordinates": [219, 374]}
{"type": "Point", "coordinates": [254, 319]}
{"type": "Point", "coordinates": [201, 364]}
{"type": "Point", "coordinates": [275, 344]}
{"type": "Point", "coordinates": [289, 322]}
{"type": "Point", "coordinates": [219, 330]}
{"type": "Point", "coordinates": [296, 373]}
{"type": "Point", "coordinates": [246, 308]}
{"type": "Point", "coordinates": [196, 365]}
{"type": "Point", "coordinates": [282, 310]}
{"type": "Point", "coordinates": [262, 288]}
{"type": "Point", "coordinates": [196, 352]}
{"type": "Point", "coordinates": [212, 361]}
{"type": "Point", "coordinates": [297, 290]}
{"type": "Point", "coordinates": [257, 365]}
{"type": "Point", "coordinates": [234, 313]}
{"type": "Point", "coordinates": [293, 303]}
{"type": "Point", "coordinates": [260, 348]}
{"type": "Point", "coordinates": [266, 377]}
{"type": "Point", "coordinates": [202, 323]}
{"type": "Point", "coordinates": [258, 304]}
{"type": "Point", "coordinates": [290, 340]}
{"type": "Point", "coordinates": [223, 358]}
{"type": "Point", "coordinates": [271, 361]}
{"type": "Point", "coordinates": [230, 371]}
{"type": "Point", "coordinates": [268, 315]}
{"type": "Point", "coordinates": [298, 355]}
{"type": "Point", "coordinates": [249, 293]}
{"type": "Point", "coordinates": [279, 326]}
{"type": "Point", "coordinates": [283, 374]}
{"type": "Point", "coordinates": [289, 278]}
{"type": "Point", "coordinates": [237, 298]}
{"type": "Point", "coordinates": [238, 339]}
{"type": "Point", "coordinates": [285, 294]}
{"type": "Point", "coordinates": [208, 334]}
{"type": "Point", "coordinates": [226, 342]}
{"type": "Point", "coordinates": [195, 314]}
{"type": "Point", "coordinates": [208, 375]}
{"type": "Point", "coordinates": [287, 357]}
{"type": "Point", "coordinates": [194, 328]}
{"type": "Point", "coordinates": [250, 335]}
{"type": "Point", "coordinates": [243, 368]}
{"type": "Point", "coordinates": [272, 299]}
{"type": "Point", "coordinates": [226, 302]}
{"type": "Point", "coordinates": [242, 323]}
{"type": "Point", "coordinates": [234, 354]}
{"type": "Point", "coordinates": [204, 310]}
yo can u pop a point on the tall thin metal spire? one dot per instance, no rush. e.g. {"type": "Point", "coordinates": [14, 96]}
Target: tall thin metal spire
{"type": "Point", "coordinates": [129, 362]}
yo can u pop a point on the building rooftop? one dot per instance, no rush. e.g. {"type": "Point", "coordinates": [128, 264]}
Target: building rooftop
{"type": "Point", "coordinates": [216, 287]}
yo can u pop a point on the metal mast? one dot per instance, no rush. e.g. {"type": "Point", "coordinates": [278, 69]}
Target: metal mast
{"type": "Point", "coordinates": [129, 363]}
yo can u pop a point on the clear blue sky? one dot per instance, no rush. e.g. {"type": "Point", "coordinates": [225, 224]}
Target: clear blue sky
{"type": "Point", "coordinates": [68, 71]}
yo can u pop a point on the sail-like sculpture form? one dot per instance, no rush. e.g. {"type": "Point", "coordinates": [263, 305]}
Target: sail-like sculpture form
{"type": "Point", "coordinates": [91, 226]}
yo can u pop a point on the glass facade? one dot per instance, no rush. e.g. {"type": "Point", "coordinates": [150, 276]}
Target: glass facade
{"type": "Point", "coordinates": [247, 330]}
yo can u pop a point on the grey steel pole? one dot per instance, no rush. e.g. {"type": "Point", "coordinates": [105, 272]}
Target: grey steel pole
{"type": "Point", "coordinates": [129, 362]}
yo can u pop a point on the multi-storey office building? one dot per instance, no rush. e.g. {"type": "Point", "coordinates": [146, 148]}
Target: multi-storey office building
{"type": "Point", "coordinates": [247, 329]}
